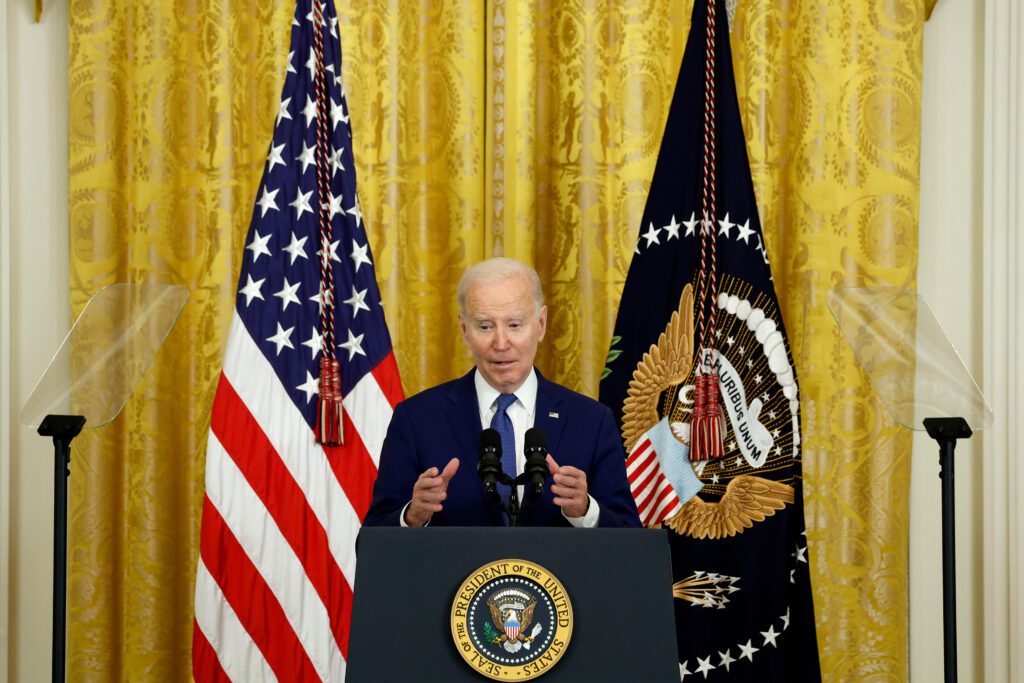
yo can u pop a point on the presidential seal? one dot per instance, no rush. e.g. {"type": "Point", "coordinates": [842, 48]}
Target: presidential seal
{"type": "Point", "coordinates": [511, 620]}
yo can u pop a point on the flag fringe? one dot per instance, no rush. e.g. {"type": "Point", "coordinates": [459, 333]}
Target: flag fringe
{"type": "Point", "coordinates": [708, 425]}
{"type": "Point", "coordinates": [330, 414]}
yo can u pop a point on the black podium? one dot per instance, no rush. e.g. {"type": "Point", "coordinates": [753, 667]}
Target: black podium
{"type": "Point", "coordinates": [618, 580]}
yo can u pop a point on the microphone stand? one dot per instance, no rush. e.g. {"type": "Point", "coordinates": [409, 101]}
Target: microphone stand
{"type": "Point", "coordinates": [513, 504]}
{"type": "Point", "coordinates": [512, 509]}
{"type": "Point", "coordinates": [530, 494]}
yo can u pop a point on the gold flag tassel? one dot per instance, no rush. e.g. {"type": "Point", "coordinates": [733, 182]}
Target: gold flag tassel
{"type": "Point", "coordinates": [708, 422]}
{"type": "Point", "coordinates": [330, 412]}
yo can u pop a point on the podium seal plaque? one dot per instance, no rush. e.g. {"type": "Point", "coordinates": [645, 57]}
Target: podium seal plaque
{"type": "Point", "coordinates": [511, 620]}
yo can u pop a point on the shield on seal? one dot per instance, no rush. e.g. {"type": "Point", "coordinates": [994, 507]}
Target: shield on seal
{"type": "Point", "coordinates": [512, 626]}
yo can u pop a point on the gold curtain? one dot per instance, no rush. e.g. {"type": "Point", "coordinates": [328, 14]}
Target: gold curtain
{"type": "Point", "coordinates": [584, 91]}
{"type": "Point", "coordinates": [169, 113]}
{"type": "Point", "coordinates": [527, 128]}
{"type": "Point", "coordinates": [830, 95]}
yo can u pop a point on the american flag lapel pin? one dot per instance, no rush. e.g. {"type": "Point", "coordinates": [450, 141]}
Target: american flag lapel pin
{"type": "Point", "coordinates": [553, 415]}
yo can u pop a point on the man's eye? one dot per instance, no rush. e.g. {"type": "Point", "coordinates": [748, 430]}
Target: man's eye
{"type": "Point", "coordinates": [485, 328]}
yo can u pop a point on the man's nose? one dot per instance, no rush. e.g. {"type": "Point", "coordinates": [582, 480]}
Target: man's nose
{"type": "Point", "coordinates": [501, 338]}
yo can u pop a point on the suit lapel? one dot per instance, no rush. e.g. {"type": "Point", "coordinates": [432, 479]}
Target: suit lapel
{"type": "Point", "coordinates": [464, 418]}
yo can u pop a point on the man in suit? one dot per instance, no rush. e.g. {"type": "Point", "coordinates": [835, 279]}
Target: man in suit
{"type": "Point", "coordinates": [428, 461]}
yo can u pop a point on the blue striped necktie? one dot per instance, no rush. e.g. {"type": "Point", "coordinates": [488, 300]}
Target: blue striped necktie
{"type": "Point", "coordinates": [503, 425]}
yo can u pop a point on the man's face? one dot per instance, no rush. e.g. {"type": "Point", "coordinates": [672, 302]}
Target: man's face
{"type": "Point", "coordinates": [501, 326]}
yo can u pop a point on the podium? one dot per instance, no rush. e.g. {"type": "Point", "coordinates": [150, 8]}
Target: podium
{"type": "Point", "coordinates": [619, 583]}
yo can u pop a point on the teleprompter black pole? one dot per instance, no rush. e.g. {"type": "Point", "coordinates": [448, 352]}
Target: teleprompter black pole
{"type": "Point", "coordinates": [63, 428]}
{"type": "Point", "coordinates": [946, 431]}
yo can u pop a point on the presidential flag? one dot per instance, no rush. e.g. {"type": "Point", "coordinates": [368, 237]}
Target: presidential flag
{"type": "Point", "coordinates": [700, 345]}
{"type": "Point", "coordinates": [282, 510]}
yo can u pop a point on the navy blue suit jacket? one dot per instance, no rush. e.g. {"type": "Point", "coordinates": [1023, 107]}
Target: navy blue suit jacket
{"type": "Point", "coordinates": [441, 423]}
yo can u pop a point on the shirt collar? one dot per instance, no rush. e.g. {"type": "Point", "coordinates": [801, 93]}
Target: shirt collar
{"type": "Point", "coordinates": [486, 395]}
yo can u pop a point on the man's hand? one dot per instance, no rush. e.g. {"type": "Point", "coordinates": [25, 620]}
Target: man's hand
{"type": "Point", "coordinates": [428, 492]}
{"type": "Point", "coordinates": [569, 486]}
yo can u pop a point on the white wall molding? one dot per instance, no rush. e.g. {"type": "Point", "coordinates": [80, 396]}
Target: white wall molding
{"type": "Point", "coordinates": [5, 348]}
{"type": "Point", "coordinates": [949, 278]}
{"type": "Point", "coordinates": [36, 82]}
{"type": "Point", "coordinates": [1003, 334]}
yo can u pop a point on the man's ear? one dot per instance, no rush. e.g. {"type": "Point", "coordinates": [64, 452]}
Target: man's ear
{"type": "Point", "coordinates": [543, 321]}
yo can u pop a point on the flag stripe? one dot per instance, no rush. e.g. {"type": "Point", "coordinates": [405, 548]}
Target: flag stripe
{"type": "Point", "coordinates": [640, 469]}
{"type": "Point", "coordinates": [365, 405]}
{"type": "Point", "coordinates": [640, 456]}
{"type": "Point", "coordinates": [643, 489]}
{"type": "Point", "coordinates": [232, 654]}
{"type": "Point", "coordinates": [641, 478]}
{"type": "Point", "coordinates": [644, 506]}
{"type": "Point", "coordinates": [250, 598]}
{"type": "Point", "coordinates": [255, 531]}
{"type": "Point", "coordinates": [354, 469]}
{"type": "Point", "coordinates": [386, 374]}
{"type": "Point", "coordinates": [644, 497]}
{"type": "Point", "coordinates": [260, 390]}
{"type": "Point", "coordinates": [239, 434]}
{"type": "Point", "coordinates": [656, 490]}
{"type": "Point", "coordinates": [662, 491]}
{"type": "Point", "coordinates": [206, 656]}
{"type": "Point", "coordinates": [666, 499]}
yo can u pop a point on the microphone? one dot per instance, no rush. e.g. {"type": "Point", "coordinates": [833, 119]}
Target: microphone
{"type": "Point", "coordinates": [535, 470]}
{"type": "Point", "coordinates": [489, 466]}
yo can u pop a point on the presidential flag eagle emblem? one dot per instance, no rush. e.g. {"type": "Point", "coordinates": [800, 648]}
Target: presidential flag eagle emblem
{"type": "Point", "coordinates": [659, 406]}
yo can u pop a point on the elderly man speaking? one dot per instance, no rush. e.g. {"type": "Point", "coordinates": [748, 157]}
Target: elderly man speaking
{"type": "Point", "coordinates": [428, 464]}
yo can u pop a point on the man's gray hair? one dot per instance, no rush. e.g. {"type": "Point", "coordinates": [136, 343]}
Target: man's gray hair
{"type": "Point", "coordinates": [498, 269]}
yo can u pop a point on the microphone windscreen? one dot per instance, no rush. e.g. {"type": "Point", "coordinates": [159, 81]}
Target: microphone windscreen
{"type": "Point", "coordinates": [536, 438]}
{"type": "Point", "coordinates": [489, 438]}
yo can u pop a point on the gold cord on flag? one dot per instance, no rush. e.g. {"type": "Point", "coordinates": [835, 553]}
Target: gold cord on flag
{"type": "Point", "coordinates": [330, 425]}
{"type": "Point", "coordinates": [708, 422]}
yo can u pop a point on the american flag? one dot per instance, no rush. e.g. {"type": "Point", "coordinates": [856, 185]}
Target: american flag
{"type": "Point", "coordinates": [281, 512]}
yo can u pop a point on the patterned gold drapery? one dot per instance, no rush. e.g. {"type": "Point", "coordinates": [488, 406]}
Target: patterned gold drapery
{"type": "Point", "coordinates": [522, 127]}
{"type": "Point", "coordinates": [830, 95]}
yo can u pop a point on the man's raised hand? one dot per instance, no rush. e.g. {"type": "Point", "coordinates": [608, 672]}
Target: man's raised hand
{"type": "Point", "coordinates": [428, 493]}
{"type": "Point", "coordinates": [569, 486]}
